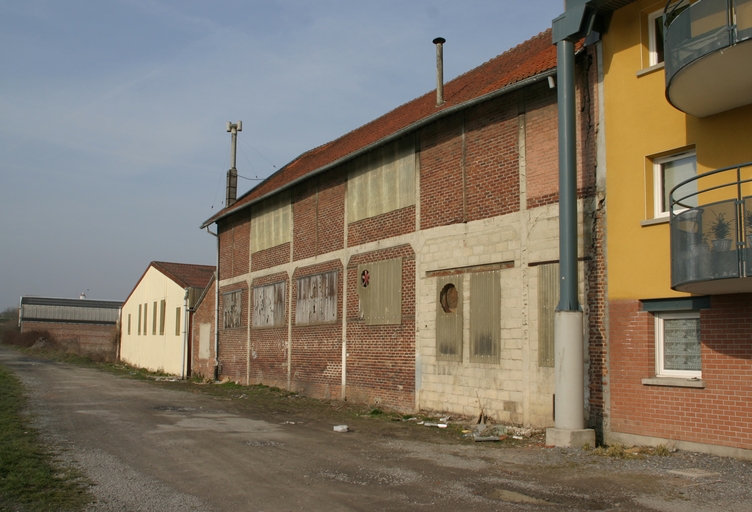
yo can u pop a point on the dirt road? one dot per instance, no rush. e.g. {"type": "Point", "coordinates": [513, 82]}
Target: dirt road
{"type": "Point", "coordinates": [149, 447]}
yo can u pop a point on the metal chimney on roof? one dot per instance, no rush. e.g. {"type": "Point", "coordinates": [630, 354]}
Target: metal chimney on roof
{"type": "Point", "coordinates": [232, 174]}
{"type": "Point", "coordinates": [439, 42]}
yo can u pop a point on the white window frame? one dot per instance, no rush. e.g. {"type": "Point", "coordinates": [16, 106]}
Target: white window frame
{"type": "Point", "coordinates": [660, 371]}
{"type": "Point", "coordinates": [658, 164]}
{"type": "Point", "coordinates": [652, 37]}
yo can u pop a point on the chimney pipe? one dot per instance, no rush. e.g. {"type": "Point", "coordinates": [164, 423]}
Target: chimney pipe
{"type": "Point", "coordinates": [232, 174]}
{"type": "Point", "coordinates": [439, 42]}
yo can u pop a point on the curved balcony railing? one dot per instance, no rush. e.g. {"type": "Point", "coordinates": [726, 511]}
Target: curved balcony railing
{"type": "Point", "coordinates": [711, 244]}
{"type": "Point", "coordinates": [696, 31]}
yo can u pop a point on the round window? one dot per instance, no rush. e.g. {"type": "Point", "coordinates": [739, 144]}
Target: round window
{"type": "Point", "coordinates": [449, 298]}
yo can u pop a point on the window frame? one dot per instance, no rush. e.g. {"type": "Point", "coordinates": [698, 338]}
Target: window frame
{"type": "Point", "coordinates": [658, 180]}
{"type": "Point", "coordinates": [660, 371]}
{"type": "Point", "coordinates": [652, 35]}
{"type": "Point", "coordinates": [652, 38]}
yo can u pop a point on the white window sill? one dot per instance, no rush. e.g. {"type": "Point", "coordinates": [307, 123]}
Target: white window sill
{"type": "Point", "coordinates": [676, 382]}
{"type": "Point", "coordinates": [649, 70]}
{"type": "Point", "coordinates": [657, 220]}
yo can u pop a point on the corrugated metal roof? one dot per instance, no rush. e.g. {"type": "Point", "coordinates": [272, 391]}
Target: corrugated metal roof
{"type": "Point", "coordinates": [79, 303]}
{"type": "Point", "coordinates": [52, 309]}
{"type": "Point", "coordinates": [527, 60]}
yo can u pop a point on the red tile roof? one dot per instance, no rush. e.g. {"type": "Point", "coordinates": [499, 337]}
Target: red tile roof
{"type": "Point", "coordinates": [525, 61]}
{"type": "Point", "coordinates": [186, 274]}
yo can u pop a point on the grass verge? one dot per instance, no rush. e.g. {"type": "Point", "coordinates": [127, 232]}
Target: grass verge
{"type": "Point", "coordinates": [31, 478]}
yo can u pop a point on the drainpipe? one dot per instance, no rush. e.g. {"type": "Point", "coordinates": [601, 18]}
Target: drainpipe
{"type": "Point", "coordinates": [183, 369]}
{"type": "Point", "coordinates": [569, 398]}
{"type": "Point", "coordinates": [216, 309]}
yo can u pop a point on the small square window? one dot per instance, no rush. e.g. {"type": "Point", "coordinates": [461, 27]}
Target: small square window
{"type": "Point", "coordinates": [669, 171]}
{"type": "Point", "coordinates": [677, 345]}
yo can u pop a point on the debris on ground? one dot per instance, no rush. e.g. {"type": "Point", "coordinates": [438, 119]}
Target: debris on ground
{"type": "Point", "coordinates": [340, 428]}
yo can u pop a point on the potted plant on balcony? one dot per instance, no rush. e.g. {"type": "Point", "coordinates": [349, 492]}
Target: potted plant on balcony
{"type": "Point", "coordinates": [721, 229]}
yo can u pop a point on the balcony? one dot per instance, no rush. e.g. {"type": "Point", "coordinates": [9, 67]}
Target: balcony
{"type": "Point", "coordinates": [711, 232]}
{"type": "Point", "coordinates": [708, 48]}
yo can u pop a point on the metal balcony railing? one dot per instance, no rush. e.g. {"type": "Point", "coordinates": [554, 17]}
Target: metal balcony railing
{"type": "Point", "coordinates": [704, 27]}
{"type": "Point", "coordinates": [713, 240]}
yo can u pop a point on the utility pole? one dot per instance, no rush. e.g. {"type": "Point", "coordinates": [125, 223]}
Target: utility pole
{"type": "Point", "coordinates": [232, 174]}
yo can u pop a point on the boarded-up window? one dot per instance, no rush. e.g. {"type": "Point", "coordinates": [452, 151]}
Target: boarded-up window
{"type": "Point", "coordinates": [162, 313]}
{"type": "Point", "coordinates": [231, 310]}
{"type": "Point", "coordinates": [449, 318]}
{"type": "Point", "coordinates": [177, 321]}
{"type": "Point", "coordinates": [548, 298]}
{"type": "Point", "coordinates": [139, 319]}
{"type": "Point", "coordinates": [380, 291]}
{"type": "Point", "coordinates": [270, 222]}
{"type": "Point", "coordinates": [317, 299]}
{"type": "Point", "coordinates": [382, 180]}
{"type": "Point", "coordinates": [154, 319]}
{"type": "Point", "coordinates": [129, 323]}
{"type": "Point", "coordinates": [269, 305]}
{"type": "Point", "coordinates": [485, 316]}
{"type": "Point", "coordinates": [146, 317]}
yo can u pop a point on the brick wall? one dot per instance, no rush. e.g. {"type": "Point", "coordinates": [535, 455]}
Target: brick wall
{"type": "Point", "coordinates": [719, 414]}
{"type": "Point", "coordinates": [234, 245]}
{"type": "Point", "coordinates": [316, 355]}
{"type": "Point", "coordinates": [380, 227]}
{"type": "Point", "coordinates": [233, 342]}
{"type": "Point", "coordinates": [271, 257]}
{"type": "Point", "coordinates": [331, 221]}
{"type": "Point", "coordinates": [268, 361]}
{"type": "Point", "coordinates": [541, 119]}
{"type": "Point", "coordinates": [204, 315]}
{"type": "Point", "coordinates": [319, 216]}
{"type": "Point", "coordinates": [492, 158]}
{"type": "Point", "coordinates": [381, 358]}
{"type": "Point", "coordinates": [441, 199]}
{"type": "Point", "coordinates": [96, 341]}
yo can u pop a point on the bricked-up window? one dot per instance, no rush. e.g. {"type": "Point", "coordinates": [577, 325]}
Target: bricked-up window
{"type": "Point", "coordinates": [177, 321]}
{"type": "Point", "coordinates": [548, 299]}
{"type": "Point", "coordinates": [485, 316]}
{"type": "Point", "coordinates": [380, 292]}
{"type": "Point", "coordinates": [269, 305]}
{"type": "Point", "coordinates": [154, 319]}
{"type": "Point", "coordinates": [162, 313]}
{"type": "Point", "coordinates": [270, 222]}
{"type": "Point", "coordinates": [382, 180]}
{"type": "Point", "coordinates": [317, 299]}
{"type": "Point", "coordinates": [129, 323]}
{"type": "Point", "coordinates": [146, 317]}
{"type": "Point", "coordinates": [449, 318]}
{"type": "Point", "coordinates": [231, 310]}
{"type": "Point", "coordinates": [677, 345]}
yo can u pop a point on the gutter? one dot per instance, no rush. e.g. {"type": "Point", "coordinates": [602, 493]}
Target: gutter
{"type": "Point", "coordinates": [389, 138]}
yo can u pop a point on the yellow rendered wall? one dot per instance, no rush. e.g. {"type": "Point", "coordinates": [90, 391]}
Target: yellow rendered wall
{"type": "Point", "coordinates": [150, 351]}
{"type": "Point", "coordinates": [640, 123]}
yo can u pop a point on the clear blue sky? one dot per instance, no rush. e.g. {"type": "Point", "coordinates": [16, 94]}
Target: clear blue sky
{"type": "Point", "coordinates": [113, 147]}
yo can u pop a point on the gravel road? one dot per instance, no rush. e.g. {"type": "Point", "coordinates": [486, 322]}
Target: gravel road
{"type": "Point", "coordinates": [147, 447]}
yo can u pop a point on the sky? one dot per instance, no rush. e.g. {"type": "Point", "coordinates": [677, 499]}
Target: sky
{"type": "Point", "coordinates": [113, 142]}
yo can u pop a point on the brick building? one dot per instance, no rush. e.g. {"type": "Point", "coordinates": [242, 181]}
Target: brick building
{"type": "Point", "coordinates": [413, 261]}
{"type": "Point", "coordinates": [84, 326]}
